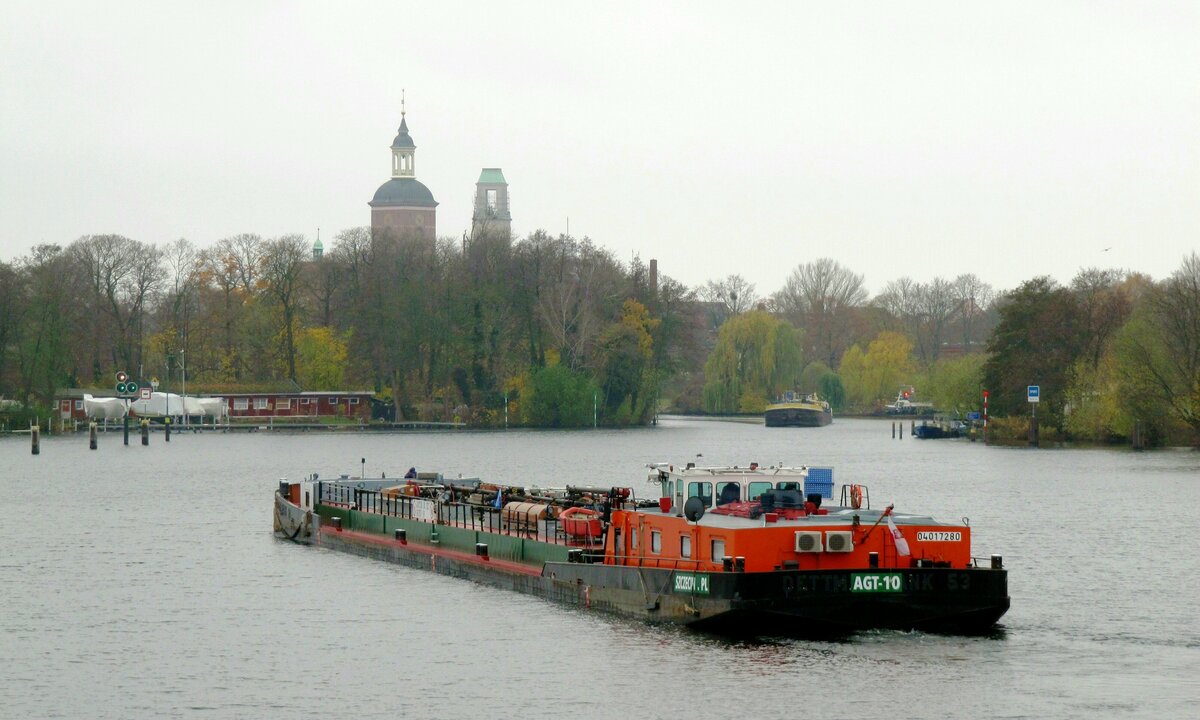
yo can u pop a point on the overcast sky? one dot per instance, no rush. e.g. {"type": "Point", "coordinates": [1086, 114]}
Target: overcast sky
{"type": "Point", "coordinates": [924, 139]}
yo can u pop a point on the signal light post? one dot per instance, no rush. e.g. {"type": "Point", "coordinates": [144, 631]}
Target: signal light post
{"type": "Point", "coordinates": [126, 389]}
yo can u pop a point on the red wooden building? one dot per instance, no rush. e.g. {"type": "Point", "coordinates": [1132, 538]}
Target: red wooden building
{"type": "Point", "coordinates": [347, 403]}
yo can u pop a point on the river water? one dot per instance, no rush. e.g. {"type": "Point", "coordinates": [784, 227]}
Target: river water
{"type": "Point", "coordinates": [144, 582]}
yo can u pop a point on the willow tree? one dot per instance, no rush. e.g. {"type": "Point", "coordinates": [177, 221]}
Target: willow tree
{"type": "Point", "coordinates": [873, 376]}
{"type": "Point", "coordinates": [757, 356]}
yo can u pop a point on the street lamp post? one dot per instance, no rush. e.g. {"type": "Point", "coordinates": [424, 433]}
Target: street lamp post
{"type": "Point", "coordinates": [183, 379]}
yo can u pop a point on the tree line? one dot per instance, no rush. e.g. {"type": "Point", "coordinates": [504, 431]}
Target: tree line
{"type": "Point", "coordinates": [437, 328]}
{"type": "Point", "coordinates": [1110, 351]}
{"type": "Point", "coordinates": [555, 331]}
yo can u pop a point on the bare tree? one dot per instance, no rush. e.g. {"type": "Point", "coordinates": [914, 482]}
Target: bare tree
{"type": "Point", "coordinates": [246, 251]}
{"type": "Point", "coordinates": [902, 300]}
{"type": "Point", "coordinates": [1104, 306]}
{"type": "Point", "coordinates": [185, 266]}
{"type": "Point", "coordinates": [734, 293]}
{"type": "Point", "coordinates": [935, 310]}
{"type": "Point", "coordinates": [821, 297]}
{"type": "Point", "coordinates": [973, 296]}
{"type": "Point", "coordinates": [122, 274]}
{"type": "Point", "coordinates": [573, 303]}
{"type": "Point", "coordinates": [283, 262]}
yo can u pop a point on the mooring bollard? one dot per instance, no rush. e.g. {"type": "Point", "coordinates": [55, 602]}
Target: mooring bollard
{"type": "Point", "coordinates": [92, 435]}
{"type": "Point", "coordinates": [145, 432]}
{"type": "Point", "coordinates": [35, 439]}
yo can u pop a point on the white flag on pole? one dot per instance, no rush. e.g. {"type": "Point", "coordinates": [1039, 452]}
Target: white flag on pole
{"type": "Point", "coordinates": [901, 543]}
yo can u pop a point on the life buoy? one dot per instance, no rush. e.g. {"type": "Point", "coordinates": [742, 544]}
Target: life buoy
{"type": "Point", "coordinates": [856, 496]}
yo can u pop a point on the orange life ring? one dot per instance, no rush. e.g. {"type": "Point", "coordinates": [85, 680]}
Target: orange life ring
{"type": "Point", "coordinates": [856, 496]}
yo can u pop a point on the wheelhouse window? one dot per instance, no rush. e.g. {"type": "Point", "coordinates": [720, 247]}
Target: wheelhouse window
{"type": "Point", "coordinates": [702, 490]}
{"type": "Point", "coordinates": [685, 546]}
{"type": "Point", "coordinates": [729, 492]}
{"type": "Point", "coordinates": [655, 542]}
{"type": "Point", "coordinates": [788, 486]}
{"type": "Point", "coordinates": [718, 550]}
{"type": "Point", "coordinates": [633, 539]}
{"type": "Point", "coordinates": [757, 489]}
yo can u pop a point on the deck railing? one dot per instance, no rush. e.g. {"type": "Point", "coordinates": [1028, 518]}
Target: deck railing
{"type": "Point", "coordinates": [468, 516]}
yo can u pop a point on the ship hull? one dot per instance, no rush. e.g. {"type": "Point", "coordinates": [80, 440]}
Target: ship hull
{"type": "Point", "coordinates": [292, 522]}
{"type": "Point", "coordinates": [797, 417]}
{"type": "Point", "coordinates": [934, 432]}
{"type": "Point", "coordinates": [786, 603]}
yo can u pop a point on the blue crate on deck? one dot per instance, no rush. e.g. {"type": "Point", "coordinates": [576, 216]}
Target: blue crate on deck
{"type": "Point", "coordinates": [819, 480]}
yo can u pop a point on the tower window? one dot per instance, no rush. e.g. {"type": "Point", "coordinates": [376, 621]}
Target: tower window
{"type": "Point", "coordinates": [491, 199]}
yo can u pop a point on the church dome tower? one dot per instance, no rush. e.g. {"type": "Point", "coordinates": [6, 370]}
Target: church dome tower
{"type": "Point", "coordinates": [403, 206]}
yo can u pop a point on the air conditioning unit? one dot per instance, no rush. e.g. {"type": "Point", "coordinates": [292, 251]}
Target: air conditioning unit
{"type": "Point", "coordinates": [808, 541]}
{"type": "Point", "coordinates": [839, 541]}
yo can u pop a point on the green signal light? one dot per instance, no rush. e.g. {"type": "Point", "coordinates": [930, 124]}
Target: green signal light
{"type": "Point", "coordinates": [121, 387]}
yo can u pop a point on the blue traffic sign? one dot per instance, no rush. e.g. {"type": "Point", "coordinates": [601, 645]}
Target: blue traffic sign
{"type": "Point", "coordinates": [1035, 393]}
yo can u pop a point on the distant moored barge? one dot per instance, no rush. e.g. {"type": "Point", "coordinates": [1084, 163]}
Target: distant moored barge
{"type": "Point", "coordinates": [796, 410]}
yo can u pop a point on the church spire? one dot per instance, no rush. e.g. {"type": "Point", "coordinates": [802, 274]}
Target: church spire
{"type": "Point", "coordinates": [403, 148]}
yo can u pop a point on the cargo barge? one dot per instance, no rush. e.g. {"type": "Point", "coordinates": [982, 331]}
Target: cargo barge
{"type": "Point", "coordinates": [747, 550]}
{"type": "Point", "coordinates": [797, 410]}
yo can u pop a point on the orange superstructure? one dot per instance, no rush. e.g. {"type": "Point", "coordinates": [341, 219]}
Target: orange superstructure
{"type": "Point", "coordinates": [789, 533]}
